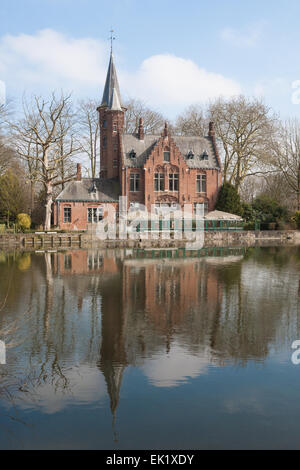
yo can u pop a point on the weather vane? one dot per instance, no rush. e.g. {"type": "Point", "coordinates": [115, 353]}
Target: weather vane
{"type": "Point", "coordinates": [112, 38]}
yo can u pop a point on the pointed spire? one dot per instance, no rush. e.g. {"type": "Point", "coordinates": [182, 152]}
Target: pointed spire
{"type": "Point", "coordinates": [112, 96]}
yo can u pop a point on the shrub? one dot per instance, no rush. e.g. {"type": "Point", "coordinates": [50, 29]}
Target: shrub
{"type": "Point", "coordinates": [24, 262]}
{"type": "Point", "coordinates": [23, 222]}
{"type": "Point", "coordinates": [229, 200]}
{"type": "Point", "coordinates": [296, 219]}
{"type": "Point", "coordinates": [268, 212]}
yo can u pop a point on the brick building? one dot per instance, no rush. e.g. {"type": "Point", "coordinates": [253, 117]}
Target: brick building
{"type": "Point", "coordinates": [152, 170]}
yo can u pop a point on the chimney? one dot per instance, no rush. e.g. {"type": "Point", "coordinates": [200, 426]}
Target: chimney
{"type": "Point", "coordinates": [211, 132]}
{"type": "Point", "coordinates": [141, 132]}
{"type": "Point", "coordinates": [166, 130]}
{"type": "Point", "coordinates": [78, 177]}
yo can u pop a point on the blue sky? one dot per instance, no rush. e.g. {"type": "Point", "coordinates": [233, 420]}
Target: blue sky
{"type": "Point", "coordinates": [168, 53]}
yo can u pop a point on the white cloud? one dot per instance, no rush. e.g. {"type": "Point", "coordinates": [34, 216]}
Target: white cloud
{"type": "Point", "coordinates": [249, 37]}
{"type": "Point", "coordinates": [2, 93]}
{"type": "Point", "coordinates": [176, 368]}
{"type": "Point", "coordinates": [167, 79]}
{"type": "Point", "coordinates": [49, 60]}
{"type": "Point", "coordinates": [86, 386]}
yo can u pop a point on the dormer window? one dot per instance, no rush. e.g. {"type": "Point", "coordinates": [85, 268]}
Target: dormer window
{"type": "Point", "coordinates": [191, 154]}
{"type": "Point", "coordinates": [204, 156]}
{"type": "Point", "coordinates": [132, 154]}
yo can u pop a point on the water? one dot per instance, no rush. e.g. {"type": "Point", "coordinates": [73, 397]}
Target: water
{"type": "Point", "coordinates": [108, 351]}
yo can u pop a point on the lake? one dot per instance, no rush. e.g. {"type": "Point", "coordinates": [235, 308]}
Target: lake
{"type": "Point", "coordinates": [114, 350]}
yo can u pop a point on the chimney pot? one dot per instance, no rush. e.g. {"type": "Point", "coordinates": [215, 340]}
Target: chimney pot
{"type": "Point", "coordinates": [141, 132]}
{"type": "Point", "coordinates": [166, 129]}
{"type": "Point", "coordinates": [78, 172]}
{"type": "Point", "coordinates": [211, 129]}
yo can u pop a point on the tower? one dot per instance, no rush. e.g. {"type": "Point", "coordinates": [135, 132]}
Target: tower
{"type": "Point", "coordinates": [111, 119]}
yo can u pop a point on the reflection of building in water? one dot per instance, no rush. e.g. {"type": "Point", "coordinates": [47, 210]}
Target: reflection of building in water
{"type": "Point", "coordinates": [169, 289]}
{"type": "Point", "coordinates": [84, 262]}
{"type": "Point", "coordinates": [145, 304]}
{"type": "Point", "coordinates": [189, 310]}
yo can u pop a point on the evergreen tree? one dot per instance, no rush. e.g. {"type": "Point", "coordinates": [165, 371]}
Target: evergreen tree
{"type": "Point", "coordinates": [229, 200]}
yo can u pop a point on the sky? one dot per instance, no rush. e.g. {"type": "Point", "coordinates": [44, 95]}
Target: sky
{"type": "Point", "coordinates": [168, 53]}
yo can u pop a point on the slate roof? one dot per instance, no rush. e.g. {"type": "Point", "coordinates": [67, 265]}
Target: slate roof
{"type": "Point", "coordinates": [111, 95]}
{"type": "Point", "coordinates": [143, 148]}
{"type": "Point", "coordinates": [91, 190]}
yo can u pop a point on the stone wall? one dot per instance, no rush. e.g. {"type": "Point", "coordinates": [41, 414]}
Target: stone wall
{"type": "Point", "coordinates": [212, 238]}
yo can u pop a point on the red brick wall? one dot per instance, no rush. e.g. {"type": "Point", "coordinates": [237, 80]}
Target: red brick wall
{"type": "Point", "coordinates": [187, 193]}
{"type": "Point", "coordinates": [111, 134]}
{"type": "Point", "coordinates": [79, 214]}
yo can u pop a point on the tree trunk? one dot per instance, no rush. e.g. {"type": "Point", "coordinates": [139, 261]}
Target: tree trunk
{"type": "Point", "coordinates": [48, 207]}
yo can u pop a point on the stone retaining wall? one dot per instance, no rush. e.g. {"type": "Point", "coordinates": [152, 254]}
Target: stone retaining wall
{"type": "Point", "coordinates": [212, 238]}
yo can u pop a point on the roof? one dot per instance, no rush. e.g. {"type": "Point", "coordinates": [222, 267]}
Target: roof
{"type": "Point", "coordinates": [197, 145]}
{"type": "Point", "coordinates": [219, 215]}
{"type": "Point", "coordinates": [91, 190]}
{"type": "Point", "coordinates": [111, 95]}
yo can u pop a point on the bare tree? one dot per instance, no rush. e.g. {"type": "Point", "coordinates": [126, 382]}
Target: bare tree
{"type": "Point", "coordinates": [40, 128]}
{"type": "Point", "coordinates": [287, 156]}
{"type": "Point", "coordinates": [193, 121]}
{"type": "Point", "coordinates": [89, 131]}
{"type": "Point", "coordinates": [66, 144]}
{"type": "Point", "coordinates": [245, 128]}
{"type": "Point", "coordinates": [7, 156]}
{"type": "Point", "coordinates": [136, 109]}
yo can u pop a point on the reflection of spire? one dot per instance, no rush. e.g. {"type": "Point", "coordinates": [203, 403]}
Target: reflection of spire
{"type": "Point", "coordinates": [113, 356]}
{"type": "Point", "coordinates": [113, 374]}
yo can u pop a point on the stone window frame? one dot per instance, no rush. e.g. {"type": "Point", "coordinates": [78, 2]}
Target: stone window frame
{"type": "Point", "coordinates": [134, 182]}
{"type": "Point", "coordinates": [174, 182]}
{"type": "Point", "coordinates": [67, 218]}
{"type": "Point", "coordinates": [201, 183]}
{"type": "Point", "coordinates": [95, 214]}
{"type": "Point", "coordinates": [167, 152]}
{"type": "Point", "coordinates": [159, 181]}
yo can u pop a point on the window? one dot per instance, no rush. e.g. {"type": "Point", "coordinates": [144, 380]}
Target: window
{"type": "Point", "coordinates": [205, 207]}
{"type": "Point", "coordinates": [95, 261]}
{"type": "Point", "coordinates": [201, 183]}
{"type": "Point", "coordinates": [115, 164]}
{"type": "Point", "coordinates": [166, 156]}
{"type": "Point", "coordinates": [104, 142]}
{"type": "Point", "coordinates": [67, 215]}
{"type": "Point", "coordinates": [134, 182]}
{"type": "Point", "coordinates": [159, 182]}
{"type": "Point", "coordinates": [173, 182]}
{"type": "Point", "coordinates": [95, 214]}
{"type": "Point", "coordinates": [104, 124]}
{"type": "Point", "coordinates": [68, 262]}
{"type": "Point", "coordinates": [115, 128]}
